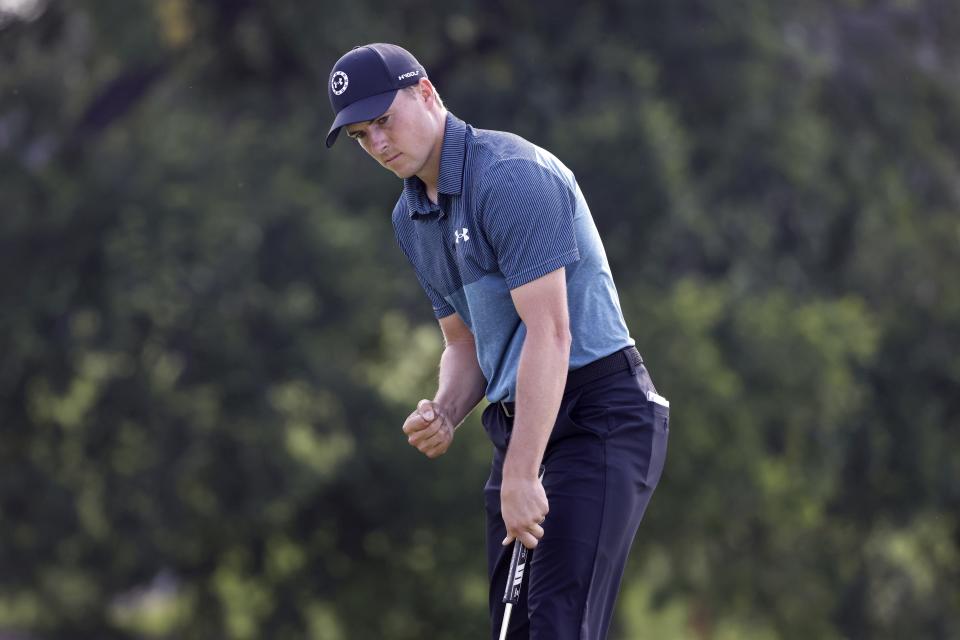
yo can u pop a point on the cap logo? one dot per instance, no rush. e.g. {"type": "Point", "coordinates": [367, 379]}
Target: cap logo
{"type": "Point", "coordinates": [408, 74]}
{"type": "Point", "coordinates": [339, 82]}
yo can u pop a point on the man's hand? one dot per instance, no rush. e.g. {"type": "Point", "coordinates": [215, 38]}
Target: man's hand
{"type": "Point", "coordinates": [523, 506]}
{"type": "Point", "coordinates": [428, 429]}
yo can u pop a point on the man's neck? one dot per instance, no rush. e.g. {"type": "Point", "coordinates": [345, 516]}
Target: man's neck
{"type": "Point", "coordinates": [430, 174]}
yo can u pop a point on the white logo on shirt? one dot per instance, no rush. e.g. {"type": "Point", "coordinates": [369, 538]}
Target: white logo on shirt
{"type": "Point", "coordinates": [461, 236]}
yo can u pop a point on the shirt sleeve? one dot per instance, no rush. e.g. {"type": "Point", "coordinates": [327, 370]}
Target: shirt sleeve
{"type": "Point", "coordinates": [441, 308]}
{"type": "Point", "coordinates": [527, 214]}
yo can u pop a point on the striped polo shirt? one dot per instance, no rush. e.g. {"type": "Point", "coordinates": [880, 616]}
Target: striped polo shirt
{"type": "Point", "coordinates": [508, 212]}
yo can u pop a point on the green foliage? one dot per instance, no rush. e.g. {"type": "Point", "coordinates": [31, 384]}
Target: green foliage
{"type": "Point", "coordinates": [211, 339]}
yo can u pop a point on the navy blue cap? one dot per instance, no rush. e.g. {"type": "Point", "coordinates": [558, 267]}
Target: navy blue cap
{"type": "Point", "coordinates": [365, 81]}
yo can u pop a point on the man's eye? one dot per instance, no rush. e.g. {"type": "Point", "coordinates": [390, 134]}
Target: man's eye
{"type": "Point", "coordinates": [356, 135]}
{"type": "Point", "coordinates": [383, 120]}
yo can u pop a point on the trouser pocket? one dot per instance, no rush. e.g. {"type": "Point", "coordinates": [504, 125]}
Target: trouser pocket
{"type": "Point", "coordinates": [658, 444]}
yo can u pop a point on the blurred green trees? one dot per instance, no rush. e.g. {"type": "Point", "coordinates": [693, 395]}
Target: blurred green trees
{"type": "Point", "coordinates": [210, 338]}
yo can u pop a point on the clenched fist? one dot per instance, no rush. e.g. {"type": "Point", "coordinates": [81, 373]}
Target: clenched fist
{"type": "Point", "coordinates": [428, 429]}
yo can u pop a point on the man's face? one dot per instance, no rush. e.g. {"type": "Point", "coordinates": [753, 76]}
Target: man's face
{"type": "Point", "coordinates": [401, 139]}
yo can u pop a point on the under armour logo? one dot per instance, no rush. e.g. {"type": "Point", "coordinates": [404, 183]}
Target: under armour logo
{"type": "Point", "coordinates": [462, 236]}
{"type": "Point", "coordinates": [339, 82]}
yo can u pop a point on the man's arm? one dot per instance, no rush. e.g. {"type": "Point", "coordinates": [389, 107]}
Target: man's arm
{"type": "Point", "coordinates": [542, 374]}
{"type": "Point", "coordinates": [462, 383]}
{"type": "Point", "coordinates": [461, 386]}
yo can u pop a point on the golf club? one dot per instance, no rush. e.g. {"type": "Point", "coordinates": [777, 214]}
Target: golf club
{"type": "Point", "coordinates": [518, 565]}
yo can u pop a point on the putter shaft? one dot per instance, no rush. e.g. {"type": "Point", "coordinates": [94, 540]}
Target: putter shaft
{"type": "Point", "coordinates": [506, 621]}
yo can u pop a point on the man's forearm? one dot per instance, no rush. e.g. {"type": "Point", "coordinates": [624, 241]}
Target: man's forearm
{"type": "Point", "coordinates": [541, 377]}
{"type": "Point", "coordinates": [462, 383]}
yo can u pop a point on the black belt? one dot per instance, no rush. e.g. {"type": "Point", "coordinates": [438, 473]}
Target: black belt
{"type": "Point", "coordinates": [617, 361]}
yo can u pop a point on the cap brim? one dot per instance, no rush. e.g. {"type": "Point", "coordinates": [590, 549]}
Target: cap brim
{"type": "Point", "coordinates": [360, 111]}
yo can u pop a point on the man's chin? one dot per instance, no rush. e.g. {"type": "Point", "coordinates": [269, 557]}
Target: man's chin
{"type": "Point", "coordinates": [402, 168]}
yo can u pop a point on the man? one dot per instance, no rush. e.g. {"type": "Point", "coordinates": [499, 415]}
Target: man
{"type": "Point", "coordinates": [502, 242]}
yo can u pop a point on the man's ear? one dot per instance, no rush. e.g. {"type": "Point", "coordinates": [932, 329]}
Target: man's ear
{"type": "Point", "coordinates": [425, 90]}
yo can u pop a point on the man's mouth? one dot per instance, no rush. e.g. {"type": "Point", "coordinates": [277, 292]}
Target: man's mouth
{"type": "Point", "coordinates": [389, 160]}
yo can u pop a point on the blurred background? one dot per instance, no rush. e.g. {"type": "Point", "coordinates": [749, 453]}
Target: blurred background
{"type": "Point", "coordinates": [209, 338]}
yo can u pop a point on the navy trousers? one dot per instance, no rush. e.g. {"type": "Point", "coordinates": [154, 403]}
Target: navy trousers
{"type": "Point", "coordinates": [603, 461]}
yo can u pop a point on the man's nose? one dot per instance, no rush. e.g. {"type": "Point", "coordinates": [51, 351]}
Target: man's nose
{"type": "Point", "coordinates": [378, 141]}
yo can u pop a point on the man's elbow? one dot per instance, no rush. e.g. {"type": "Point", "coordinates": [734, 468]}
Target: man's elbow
{"type": "Point", "coordinates": [556, 335]}
{"type": "Point", "coordinates": [563, 337]}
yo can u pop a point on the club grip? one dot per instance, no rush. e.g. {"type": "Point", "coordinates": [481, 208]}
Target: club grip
{"type": "Point", "coordinates": [518, 567]}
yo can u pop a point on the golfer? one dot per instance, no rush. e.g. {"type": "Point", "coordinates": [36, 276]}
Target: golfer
{"type": "Point", "coordinates": [502, 242]}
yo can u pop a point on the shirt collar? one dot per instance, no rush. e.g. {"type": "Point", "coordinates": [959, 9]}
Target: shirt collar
{"type": "Point", "coordinates": [450, 180]}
